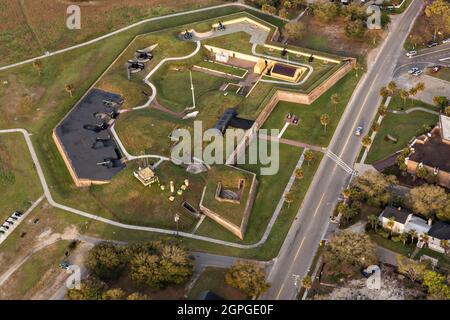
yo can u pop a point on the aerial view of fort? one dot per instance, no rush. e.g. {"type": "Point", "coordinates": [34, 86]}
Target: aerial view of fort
{"type": "Point", "coordinates": [225, 150]}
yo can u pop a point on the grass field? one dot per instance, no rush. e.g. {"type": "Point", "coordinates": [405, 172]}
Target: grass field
{"type": "Point", "coordinates": [19, 183]}
{"type": "Point", "coordinates": [147, 131]}
{"type": "Point", "coordinates": [310, 129]}
{"type": "Point", "coordinates": [31, 28]}
{"type": "Point", "coordinates": [443, 74]}
{"type": "Point", "coordinates": [230, 179]}
{"type": "Point", "coordinates": [401, 126]}
{"type": "Point", "coordinates": [213, 279]}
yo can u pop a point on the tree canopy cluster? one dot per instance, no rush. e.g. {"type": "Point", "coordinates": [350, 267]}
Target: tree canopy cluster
{"type": "Point", "coordinates": [156, 265]}
{"type": "Point", "coordinates": [247, 277]}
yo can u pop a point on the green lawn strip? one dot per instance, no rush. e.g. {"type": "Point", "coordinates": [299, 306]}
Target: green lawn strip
{"type": "Point", "coordinates": [213, 279]}
{"type": "Point", "coordinates": [238, 41]}
{"type": "Point", "coordinates": [222, 68]}
{"type": "Point", "coordinates": [401, 126]}
{"type": "Point", "coordinates": [310, 129]}
{"type": "Point", "coordinates": [19, 183]}
{"type": "Point", "coordinates": [397, 247]}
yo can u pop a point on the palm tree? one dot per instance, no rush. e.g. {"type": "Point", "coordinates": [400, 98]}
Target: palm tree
{"type": "Point", "coordinates": [69, 88]}
{"type": "Point", "coordinates": [325, 120]}
{"type": "Point", "coordinates": [392, 86]}
{"type": "Point", "coordinates": [375, 127]}
{"type": "Point", "coordinates": [346, 193]}
{"type": "Point", "coordinates": [335, 101]}
{"type": "Point", "coordinates": [373, 220]}
{"type": "Point", "coordinates": [425, 238]}
{"type": "Point", "coordinates": [420, 86]}
{"type": "Point", "coordinates": [445, 245]}
{"type": "Point", "coordinates": [299, 174]}
{"type": "Point", "coordinates": [307, 282]}
{"type": "Point", "coordinates": [357, 67]}
{"type": "Point", "coordinates": [404, 94]}
{"type": "Point", "coordinates": [37, 64]}
{"type": "Point", "coordinates": [309, 156]}
{"type": "Point", "coordinates": [384, 92]}
{"type": "Point", "coordinates": [366, 141]}
{"type": "Point", "coordinates": [288, 198]}
{"type": "Point", "coordinates": [413, 234]}
{"type": "Point", "coordinates": [403, 237]}
{"type": "Point", "coordinates": [382, 110]}
{"type": "Point", "coordinates": [390, 224]}
{"type": "Point", "coordinates": [413, 92]}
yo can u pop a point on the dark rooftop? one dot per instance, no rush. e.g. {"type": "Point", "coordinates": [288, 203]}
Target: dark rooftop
{"type": "Point", "coordinates": [440, 230]}
{"type": "Point", "coordinates": [433, 153]}
{"type": "Point", "coordinates": [284, 70]}
{"type": "Point", "coordinates": [400, 215]}
{"type": "Point", "coordinates": [86, 142]}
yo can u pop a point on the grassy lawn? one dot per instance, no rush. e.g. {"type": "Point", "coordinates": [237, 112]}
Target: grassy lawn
{"type": "Point", "coordinates": [391, 245]}
{"type": "Point", "coordinates": [310, 129]}
{"type": "Point", "coordinates": [443, 74]}
{"type": "Point", "coordinates": [147, 131]}
{"type": "Point", "coordinates": [401, 126]}
{"type": "Point", "coordinates": [40, 25]}
{"type": "Point", "coordinates": [444, 260]}
{"type": "Point", "coordinates": [213, 279]}
{"type": "Point", "coordinates": [239, 41]}
{"type": "Point", "coordinates": [19, 183]}
{"type": "Point", "coordinates": [222, 68]}
{"type": "Point", "coordinates": [230, 179]}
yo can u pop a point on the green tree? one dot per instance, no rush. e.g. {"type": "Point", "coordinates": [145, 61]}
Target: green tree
{"type": "Point", "coordinates": [309, 156]}
{"type": "Point", "coordinates": [105, 261]}
{"type": "Point", "coordinates": [427, 200]}
{"type": "Point", "coordinates": [90, 289]}
{"type": "Point", "coordinates": [438, 14]}
{"type": "Point", "coordinates": [247, 277]}
{"type": "Point", "coordinates": [373, 221]}
{"type": "Point", "coordinates": [138, 296]}
{"type": "Point", "coordinates": [437, 286]}
{"type": "Point", "coordinates": [335, 101]}
{"type": "Point", "coordinates": [375, 186]}
{"type": "Point", "coordinates": [325, 11]}
{"type": "Point", "coordinates": [384, 92]}
{"type": "Point", "coordinates": [355, 28]}
{"type": "Point", "coordinates": [295, 30]}
{"type": "Point", "coordinates": [269, 9]}
{"type": "Point", "coordinates": [288, 198]}
{"type": "Point", "coordinates": [355, 249]}
{"type": "Point", "coordinates": [366, 141]}
{"type": "Point", "coordinates": [441, 101]}
{"type": "Point", "coordinates": [414, 270]}
{"type": "Point", "coordinates": [404, 94]}
{"type": "Point", "coordinates": [69, 88]}
{"type": "Point", "coordinates": [37, 64]}
{"type": "Point", "coordinates": [114, 294]}
{"type": "Point", "coordinates": [325, 120]}
{"type": "Point", "coordinates": [420, 86]}
{"type": "Point", "coordinates": [299, 174]}
{"type": "Point", "coordinates": [382, 110]}
{"type": "Point", "coordinates": [307, 282]}
{"type": "Point", "coordinates": [392, 87]}
{"type": "Point", "coordinates": [447, 111]}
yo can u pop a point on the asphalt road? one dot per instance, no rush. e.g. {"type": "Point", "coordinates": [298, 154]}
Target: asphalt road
{"type": "Point", "coordinates": [425, 58]}
{"type": "Point", "coordinates": [313, 218]}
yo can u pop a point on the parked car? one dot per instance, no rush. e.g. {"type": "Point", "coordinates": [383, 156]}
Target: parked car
{"type": "Point", "coordinates": [436, 68]}
{"type": "Point", "coordinates": [64, 265]}
{"type": "Point", "coordinates": [446, 40]}
{"type": "Point", "coordinates": [417, 73]}
{"type": "Point", "coordinates": [412, 70]}
{"type": "Point", "coordinates": [359, 131]}
{"type": "Point", "coordinates": [411, 53]}
{"type": "Point", "coordinates": [432, 44]}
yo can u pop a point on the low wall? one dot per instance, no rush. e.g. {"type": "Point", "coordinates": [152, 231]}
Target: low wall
{"type": "Point", "coordinates": [443, 178]}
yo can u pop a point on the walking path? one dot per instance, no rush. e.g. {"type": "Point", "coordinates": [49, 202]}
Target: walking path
{"type": "Point", "coordinates": [53, 203]}
{"type": "Point", "coordinates": [414, 110]}
{"type": "Point", "coordinates": [293, 143]}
